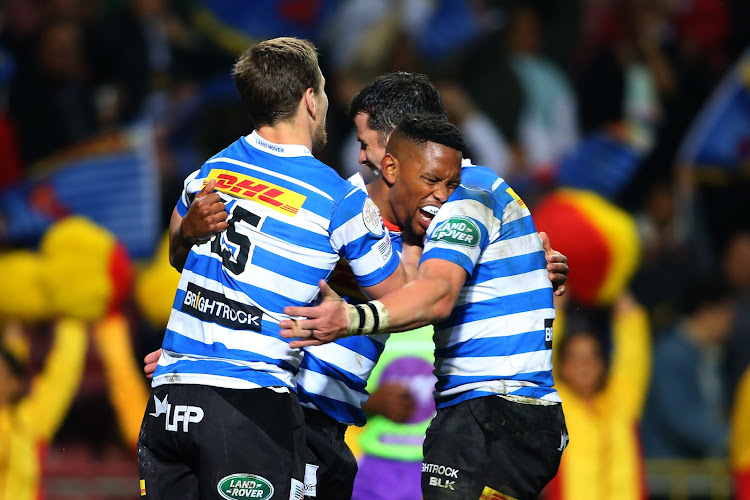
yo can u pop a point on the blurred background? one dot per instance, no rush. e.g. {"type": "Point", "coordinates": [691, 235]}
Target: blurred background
{"type": "Point", "coordinates": [623, 124]}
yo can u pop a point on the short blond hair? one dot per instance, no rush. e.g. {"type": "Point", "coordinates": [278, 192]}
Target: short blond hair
{"type": "Point", "coordinates": [273, 75]}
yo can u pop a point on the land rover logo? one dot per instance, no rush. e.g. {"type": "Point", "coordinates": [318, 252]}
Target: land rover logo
{"type": "Point", "coordinates": [245, 486]}
{"type": "Point", "coordinates": [457, 230]}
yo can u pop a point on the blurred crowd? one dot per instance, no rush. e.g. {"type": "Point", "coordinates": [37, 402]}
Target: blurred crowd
{"type": "Point", "coordinates": [567, 100]}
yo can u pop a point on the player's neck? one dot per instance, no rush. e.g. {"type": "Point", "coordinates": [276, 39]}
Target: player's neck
{"type": "Point", "coordinates": [286, 132]}
{"type": "Point", "coordinates": [378, 191]}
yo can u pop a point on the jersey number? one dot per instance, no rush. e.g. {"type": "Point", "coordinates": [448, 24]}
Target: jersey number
{"type": "Point", "coordinates": [235, 257]}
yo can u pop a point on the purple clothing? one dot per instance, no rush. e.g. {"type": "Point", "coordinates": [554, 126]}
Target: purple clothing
{"type": "Point", "coordinates": [383, 479]}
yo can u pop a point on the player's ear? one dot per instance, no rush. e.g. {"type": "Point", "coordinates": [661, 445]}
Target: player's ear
{"type": "Point", "coordinates": [389, 168]}
{"type": "Point", "coordinates": [309, 98]}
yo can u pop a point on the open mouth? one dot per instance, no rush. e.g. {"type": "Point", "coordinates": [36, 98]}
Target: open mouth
{"type": "Point", "coordinates": [428, 212]}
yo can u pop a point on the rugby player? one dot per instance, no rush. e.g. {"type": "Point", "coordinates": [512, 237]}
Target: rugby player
{"type": "Point", "coordinates": [331, 383]}
{"type": "Point", "coordinates": [224, 420]}
{"type": "Point", "coordinates": [499, 429]}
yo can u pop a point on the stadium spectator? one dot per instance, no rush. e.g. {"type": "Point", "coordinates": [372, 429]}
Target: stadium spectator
{"type": "Point", "coordinates": [284, 223]}
{"type": "Point", "coordinates": [685, 415]}
{"type": "Point", "coordinates": [603, 397]}
{"type": "Point", "coordinates": [736, 271]}
{"type": "Point", "coordinates": [51, 98]}
{"type": "Point", "coordinates": [32, 410]}
{"type": "Point", "coordinates": [548, 125]}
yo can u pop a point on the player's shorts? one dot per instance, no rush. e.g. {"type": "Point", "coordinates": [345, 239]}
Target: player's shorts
{"type": "Point", "coordinates": [331, 465]}
{"type": "Point", "coordinates": [491, 448]}
{"type": "Point", "coordinates": [202, 442]}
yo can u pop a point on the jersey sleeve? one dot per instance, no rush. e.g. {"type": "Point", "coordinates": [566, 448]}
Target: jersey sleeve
{"type": "Point", "coordinates": [192, 185]}
{"type": "Point", "coordinates": [358, 235]}
{"type": "Point", "coordinates": [459, 232]}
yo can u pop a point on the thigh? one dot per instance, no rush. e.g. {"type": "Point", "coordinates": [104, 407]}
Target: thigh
{"type": "Point", "coordinates": [492, 448]}
{"type": "Point", "coordinates": [525, 454]}
{"type": "Point", "coordinates": [454, 453]}
{"type": "Point", "coordinates": [331, 466]}
{"type": "Point", "coordinates": [252, 445]}
{"type": "Point", "coordinates": [165, 472]}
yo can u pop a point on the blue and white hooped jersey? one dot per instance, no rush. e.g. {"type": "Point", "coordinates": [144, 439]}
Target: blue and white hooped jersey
{"type": "Point", "coordinates": [290, 220]}
{"type": "Point", "coordinates": [332, 377]}
{"type": "Point", "coordinates": [498, 338]}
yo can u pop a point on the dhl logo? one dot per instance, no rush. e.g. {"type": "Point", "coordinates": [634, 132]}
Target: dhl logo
{"type": "Point", "coordinates": [516, 197]}
{"type": "Point", "coordinates": [243, 186]}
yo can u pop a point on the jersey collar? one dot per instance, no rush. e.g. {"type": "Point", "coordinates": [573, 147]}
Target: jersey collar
{"type": "Point", "coordinates": [391, 227]}
{"type": "Point", "coordinates": [287, 150]}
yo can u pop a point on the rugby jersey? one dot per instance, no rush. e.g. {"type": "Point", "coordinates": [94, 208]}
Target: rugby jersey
{"type": "Point", "coordinates": [290, 220]}
{"type": "Point", "coordinates": [332, 377]}
{"type": "Point", "coordinates": [498, 338]}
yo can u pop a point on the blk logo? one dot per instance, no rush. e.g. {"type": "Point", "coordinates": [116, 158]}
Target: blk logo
{"type": "Point", "coordinates": [182, 413]}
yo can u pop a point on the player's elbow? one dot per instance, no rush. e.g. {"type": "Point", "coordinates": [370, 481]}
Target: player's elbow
{"type": "Point", "coordinates": [444, 303]}
{"type": "Point", "coordinates": [441, 312]}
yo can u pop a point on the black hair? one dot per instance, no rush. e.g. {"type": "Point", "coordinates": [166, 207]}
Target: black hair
{"type": "Point", "coordinates": [422, 129]}
{"type": "Point", "coordinates": [705, 291]}
{"type": "Point", "coordinates": [388, 98]}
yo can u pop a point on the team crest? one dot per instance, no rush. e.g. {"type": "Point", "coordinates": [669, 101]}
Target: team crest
{"type": "Point", "coordinates": [372, 219]}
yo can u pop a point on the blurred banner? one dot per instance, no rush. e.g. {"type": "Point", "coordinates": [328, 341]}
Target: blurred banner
{"type": "Point", "coordinates": [234, 24]}
{"type": "Point", "coordinates": [112, 179]}
{"type": "Point", "coordinates": [720, 136]}
{"type": "Point", "coordinates": [602, 162]}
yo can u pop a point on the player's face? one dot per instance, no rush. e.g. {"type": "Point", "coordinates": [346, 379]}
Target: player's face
{"type": "Point", "coordinates": [371, 150]}
{"type": "Point", "coordinates": [320, 136]}
{"type": "Point", "coordinates": [426, 177]}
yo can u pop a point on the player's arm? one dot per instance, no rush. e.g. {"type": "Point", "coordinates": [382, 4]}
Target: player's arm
{"type": "Point", "coordinates": [205, 217]}
{"type": "Point", "coordinates": [396, 280]}
{"type": "Point", "coordinates": [428, 299]}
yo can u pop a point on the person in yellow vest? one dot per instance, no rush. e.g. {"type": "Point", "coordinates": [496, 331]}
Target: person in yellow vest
{"type": "Point", "coordinates": [739, 442]}
{"type": "Point", "coordinates": [29, 419]}
{"type": "Point", "coordinates": [71, 282]}
{"type": "Point", "coordinates": [79, 276]}
{"type": "Point", "coordinates": [602, 409]}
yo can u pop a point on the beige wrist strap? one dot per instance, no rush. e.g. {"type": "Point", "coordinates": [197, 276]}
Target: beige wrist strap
{"type": "Point", "coordinates": [368, 318]}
